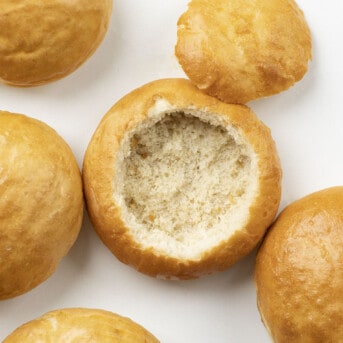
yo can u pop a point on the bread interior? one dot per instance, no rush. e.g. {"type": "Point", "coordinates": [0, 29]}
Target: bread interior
{"type": "Point", "coordinates": [185, 181]}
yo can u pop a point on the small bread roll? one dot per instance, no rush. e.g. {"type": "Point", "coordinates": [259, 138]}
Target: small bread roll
{"type": "Point", "coordinates": [179, 184]}
{"type": "Point", "coordinates": [45, 40]}
{"type": "Point", "coordinates": [84, 325]}
{"type": "Point", "coordinates": [240, 51]}
{"type": "Point", "coordinates": [299, 271]}
{"type": "Point", "coordinates": [41, 202]}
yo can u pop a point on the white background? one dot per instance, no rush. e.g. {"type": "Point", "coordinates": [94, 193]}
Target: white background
{"type": "Point", "coordinates": [306, 123]}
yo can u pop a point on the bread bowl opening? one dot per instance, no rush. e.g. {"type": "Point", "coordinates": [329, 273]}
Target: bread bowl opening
{"type": "Point", "coordinates": [184, 181]}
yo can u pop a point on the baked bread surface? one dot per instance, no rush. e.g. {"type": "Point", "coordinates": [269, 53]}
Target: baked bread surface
{"type": "Point", "coordinates": [242, 50]}
{"type": "Point", "coordinates": [41, 202]}
{"type": "Point", "coordinates": [81, 325]}
{"type": "Point", "coordinates": [157, 165]}
{"type": "Point", "coordinates": [45, 40]}
{"type": "Point", "coordinates": [299, 271]}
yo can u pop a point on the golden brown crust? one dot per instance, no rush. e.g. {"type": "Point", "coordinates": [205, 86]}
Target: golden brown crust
{"type": "Point", "coordinates": [84, 325]}
{"type": "Point", "coordinates": [239, 52]}
{"type": "Point", "coordinates": [67, 35]}
{"type": "Point", "coordinates": [299, 271]}
{"type": "Point", "coordinates": [98, 175]}
{"type": "Point", "coordinates": [41, 202]}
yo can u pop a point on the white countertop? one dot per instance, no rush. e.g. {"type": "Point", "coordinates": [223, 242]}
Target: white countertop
{"type": "Point", "coordinates": [306, 123]}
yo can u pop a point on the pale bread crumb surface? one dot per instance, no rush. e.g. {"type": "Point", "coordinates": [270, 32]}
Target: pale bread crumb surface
{"type": "Point", "coordinates": [184, 181]}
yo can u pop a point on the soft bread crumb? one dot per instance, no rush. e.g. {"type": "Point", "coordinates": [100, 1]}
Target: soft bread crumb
{"type": "Point", "coordinates": [184, 181]}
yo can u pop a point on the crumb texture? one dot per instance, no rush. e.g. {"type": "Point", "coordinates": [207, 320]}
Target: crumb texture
{"type": "Point", "coordinates": [184, 182]}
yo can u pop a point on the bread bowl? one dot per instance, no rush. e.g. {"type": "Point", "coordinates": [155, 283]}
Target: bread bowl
{"type": "Point", "coordinates": [41, 202]}
{"type": "Point", "coordinates": [81, 325]}
{"type": "Point", "coordinates": [179, 184]}
{"type": "Point", "coordinates": [239, 51]}
{"type": "Point", "coordinates": [299, 271]}
{"type": "Point", "coordinates": [43, 41]}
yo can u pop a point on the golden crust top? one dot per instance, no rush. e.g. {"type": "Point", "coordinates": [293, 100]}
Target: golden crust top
{"type": "Point", "coordinates": [81, 325]}
{"type": "Point", "coordinates": [239, 51]}
{"type": "Point", "coordinates": [99, 173]}
{"type": "Point", "coordinates": [67, 34]}
{"type": "Point", "coordinates": [41, 202]}
{"type": "Point", "coordinates": [299, 271]}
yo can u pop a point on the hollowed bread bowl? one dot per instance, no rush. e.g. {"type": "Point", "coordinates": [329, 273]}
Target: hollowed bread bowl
{"type": "Point", "coordinates": [179, 184]}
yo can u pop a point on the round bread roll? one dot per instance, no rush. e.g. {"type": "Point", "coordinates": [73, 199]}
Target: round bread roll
{"type": "Point", "coordinates": [45, 40]}
{"type": "Point", "coordinates": [84, 325]}
{"type": "Point", "coordinates": [41, 202]}
{"type": "Point", "coordinates": [240, 51]}
{"type": "Point", "coordinates": [299, 271]}
{"type": "Point", "coordinates": [179, 184]}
